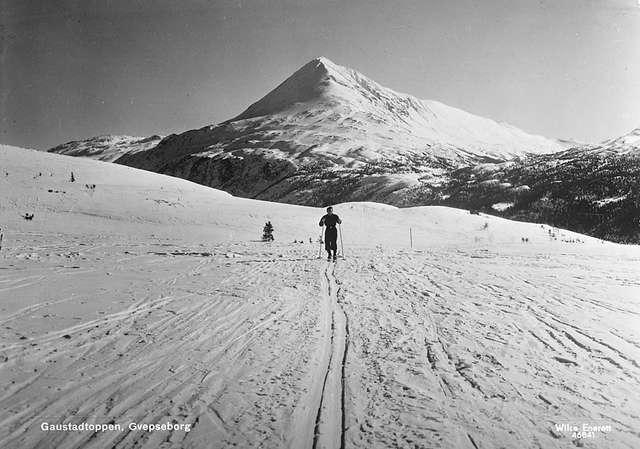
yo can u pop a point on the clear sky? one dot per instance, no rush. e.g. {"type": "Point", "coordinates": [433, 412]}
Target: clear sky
{"type": "Point", "coordinates": [73, 69]}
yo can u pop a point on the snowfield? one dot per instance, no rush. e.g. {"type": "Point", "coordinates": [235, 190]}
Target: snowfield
{"type": "Point", "coordinates": [134, 298]}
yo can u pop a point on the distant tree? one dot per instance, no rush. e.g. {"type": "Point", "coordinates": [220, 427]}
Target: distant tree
{"type": "Point", "coordinates": [267, 232]}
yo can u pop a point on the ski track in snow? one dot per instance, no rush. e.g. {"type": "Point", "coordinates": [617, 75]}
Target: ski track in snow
{"type": "Point", "coordinates": [267, 346]}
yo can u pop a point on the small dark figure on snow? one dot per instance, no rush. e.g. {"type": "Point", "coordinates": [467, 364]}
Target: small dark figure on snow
{"type": "Point", "coordinates": [330, 220]}
{"type": "Point", "coordinates": [267, 232]}
{"type": "Point", "coordinates": [73, 178]}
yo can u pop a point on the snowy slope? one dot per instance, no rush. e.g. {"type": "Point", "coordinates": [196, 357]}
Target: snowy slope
{"type": "Point", "coordinates": [328, 122]}
{"type": "Point", "coordinates": [626, 144]}
{"type": "Point", "coordinates": [146, 299]}
{"type": "Point", "coordinates": [346, 102]}
{"type": "Point", "coordinates": [40, 183]}
{"type": "Point", "coordinates": [106, 148]}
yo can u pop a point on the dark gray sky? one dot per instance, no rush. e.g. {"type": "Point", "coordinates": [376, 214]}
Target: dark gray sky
{"type": "Point", "coordinates": [75, 69]}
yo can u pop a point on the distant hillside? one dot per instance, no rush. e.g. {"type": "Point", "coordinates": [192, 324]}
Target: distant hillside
{"type": "Point", "coordinates": [593, 190]}
{"type": "Point", "coordinates": [106, 148]}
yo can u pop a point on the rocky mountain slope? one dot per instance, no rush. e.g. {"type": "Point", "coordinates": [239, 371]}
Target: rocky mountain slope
{"type": "Point", "coordinates": [330, 134]}
{"type": "Point", "coordinates": [106, 148]}
{"type": "Point", "coordinates": [592, 189]}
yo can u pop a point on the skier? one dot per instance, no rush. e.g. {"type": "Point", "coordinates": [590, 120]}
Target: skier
{"type": "Point", "coordinates": [331, 233]}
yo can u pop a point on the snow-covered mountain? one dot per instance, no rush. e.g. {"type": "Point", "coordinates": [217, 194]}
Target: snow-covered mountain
{"type": "Point", "coordinates": [106, 148]}
{"type": "Point", "coordinates": [328, 124]}
{"type": "Point", "coordinates": [331, 101]}
{"type": "Point", "coordinates": [627, 144]}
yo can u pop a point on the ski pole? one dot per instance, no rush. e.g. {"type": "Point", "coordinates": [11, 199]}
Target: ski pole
{"type": "Point", "coordinates": [320, 243]}
{"type": "Point", "coordinates": [341, 245]}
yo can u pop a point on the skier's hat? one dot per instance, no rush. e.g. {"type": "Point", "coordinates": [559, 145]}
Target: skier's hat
{"type": "Point", "coordinates": [329, 209]}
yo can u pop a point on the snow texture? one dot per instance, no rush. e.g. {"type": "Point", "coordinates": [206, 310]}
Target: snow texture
{"type": "Point", "coordinates": [137, 297]}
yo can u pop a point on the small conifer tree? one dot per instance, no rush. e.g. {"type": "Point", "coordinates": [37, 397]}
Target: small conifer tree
{"type": "Point", "coordinates": [267, 232]}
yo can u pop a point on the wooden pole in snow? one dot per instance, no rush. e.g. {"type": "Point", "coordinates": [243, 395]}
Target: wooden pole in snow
{"type": "Point", "coordinates": [341, 244]}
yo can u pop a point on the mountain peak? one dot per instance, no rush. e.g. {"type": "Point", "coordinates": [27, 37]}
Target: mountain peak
{"type": "Point", "coordinates": [326, 63]}
{"type": "Point", "coordinates": [322, 59]}
{"type": "Point", "coordinates": [340, 104]}
{"type": "Point", "coordinates": [306, 84]}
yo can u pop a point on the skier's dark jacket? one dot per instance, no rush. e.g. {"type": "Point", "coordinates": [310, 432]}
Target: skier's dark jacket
{"type": "Point", "coordinates": [330, 221]}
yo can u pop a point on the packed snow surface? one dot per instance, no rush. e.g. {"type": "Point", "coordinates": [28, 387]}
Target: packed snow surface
{"type": "Point", "coordinates": [132, 297]}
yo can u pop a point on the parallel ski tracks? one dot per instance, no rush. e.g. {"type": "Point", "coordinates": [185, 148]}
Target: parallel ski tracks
{"type": "Point", "coordinates": [330, 417]}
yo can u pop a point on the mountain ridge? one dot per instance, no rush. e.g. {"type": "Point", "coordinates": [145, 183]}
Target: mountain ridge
{"type": "Point", "coordinates": [106, 147]}
{"type": "Point", "coordinates": [329, 133]}
{"type": "Point", "coordinates": [321, 82]}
